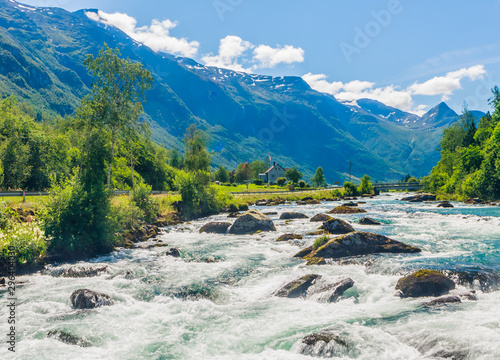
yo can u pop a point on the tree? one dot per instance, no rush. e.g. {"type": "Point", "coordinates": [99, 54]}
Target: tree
{"type": "Point", "coordinates": [118, 88]}
{"type": "Point", "coordinates": [176, 159]}
{"type": "Point", "coordinates": [221, 175]}
{"type": "Point", "coordinates": [365, 187]}
{"type": "Point", "coordinates": [302, 183]}
{"type": "Point", "coordinates": [350, 189]}
{"type": "Point", "coordinates": [243, 173]}
{"type": "Point", "coordinates": [258, 167]}
{"type": "Point", "coordinates": [197, 157]}
{"type": "Point", "coordinates": [293, 174]}
{"type": "Point", "coordinates": [319, 178]}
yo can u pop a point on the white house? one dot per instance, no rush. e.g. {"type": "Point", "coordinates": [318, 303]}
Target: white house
{"type": "Point", "coordinates": [272, 174]}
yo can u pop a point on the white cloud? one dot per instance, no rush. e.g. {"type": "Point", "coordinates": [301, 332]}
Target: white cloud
{"type": "Point", "coordinates": [269, 57]}
{"type": "Point", "coordinates": [231, 48]}
{"type": "Point", "coordinates": [445, 85]}
{"type": "Point", "coordinates": [157, 36]}
{"type": "Point", "coordinates": [392, 95]}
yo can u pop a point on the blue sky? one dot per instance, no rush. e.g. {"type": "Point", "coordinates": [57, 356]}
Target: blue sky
{"type": "Point", "coordinates": [410, 54]}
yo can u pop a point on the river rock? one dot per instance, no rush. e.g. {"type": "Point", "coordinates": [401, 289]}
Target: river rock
{"type": "Point", "coordinates": [350, 203]}
{"type": "Point", "coordinates": [332, 292]}
{"type": "Point", "coordinates": [307, 198]}
{"type": "Point", "coordinates": [447, 299]}
{"type": "Point", "coordinates": [304, 252]}
{"type": "Point", "coordinates": [233, 215]}
{"type": "Point", "coordinates": [420, 198]}
{"type": "Point", "coordinates": [425, 283]}
{"type": "Point", "coordinates": [313, 202]}
{"type": "Point", "coordinates": [271, 213]}
{"type": "Point", "coordinates": [261, 202]}
{"type": "Point", "coordinates": [173, 252]}
{"type": "Point", "coordinates": [88, 299]}
{"type": "Point", "coordinates": [293, 215]}
{"type": "Point", "coordinates": [346, 210]}
{"type": "Point", "coordinates": [77, 271]}
{"type": "Point", "coordinates": [368, 221]}
{"type": "Point", "coordinates": [297, 288]}
{"type": "Point", "coordinates": [474, 201]}
{"type": "Point", "coordinates": [360, 243]}
{"type": "Point", "coordinates": [320, 218]}
{"type": "Point", "coordinates": [215, 227]}
{"type": "Point", "coordinates": [337, 226]}
{"type": "Point", "coordinates": [286, 237]}
{"type": "Point", "coordinates": [445, 204]}
{"type": "Point", "coordinates": [68, 338]}
{"type": "Point", "coordinates": [327, 344]}
{"type": "Point", "coordinates": [478, 279]}
{"type": "Point", "coordinates": [251, 222]}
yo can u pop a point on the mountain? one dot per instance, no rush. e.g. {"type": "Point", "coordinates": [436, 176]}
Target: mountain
{"type": "Point", "coordinates": [247, 116]}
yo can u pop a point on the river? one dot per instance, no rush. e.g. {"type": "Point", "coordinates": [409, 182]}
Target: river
{"type": "Point", "coordinates": [215, 302]}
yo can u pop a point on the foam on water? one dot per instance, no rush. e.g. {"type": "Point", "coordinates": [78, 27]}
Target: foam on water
{"type": "Point", "coordinates": [187, 308]}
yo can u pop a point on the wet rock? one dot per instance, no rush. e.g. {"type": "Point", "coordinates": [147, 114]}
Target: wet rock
{"type": "Point", "coordinates": [368, 221]}
{"type": "Point", "coordinates": [332, 292]}
{"type": "Point", "coordinates": [313, 202]}
{"type": "Point", "coordinates": [320, 218]}
{"type": "Point", "coordinates": [420, 198]}
{"type": "Point", "coordinates": [474, 201]}
{"type": "Point", "coordinates": [337, 226]}
{"type": "Point", "coordinates": [317, 232]}
{"type": "Point", "coordinates": [251, 222]}
{"type": "Point", "coordinates": [298, 288]}
{"type": "Point", "coordinates": [293, 215]}
{"type": "Point", "coordinates": [477, 279]}
{"type": "Point", "coordinates": [425, 283]}
{"type": "Point", "coordinates": [442, 300]}
{"type": "Point", "coordinates": [445, 204]}
{"type": "Point", "coordinates": [271, 213]}
{"type": "Point", "coordinates": [79, 271]}
{"type": "Point", "coordinates": [215, 227]}
{"type": "Point", "coordinates": [173, 252]}
{"type": "Point", "coordinates": [2, 281]}
{"type": "Point", "coordinates": [68, 338]}
{"type": "Point", "coordinates": [346, 210]}
{"type": "Point", "coordinates": [360, 243]}
{"type": "Point", "coordinates": [88, 299]}
{"type": "Point", "coordinates": [327, 344]}
{"type": "Point", "coordinates": [307, 198]}
{"type": "Point", "coordinates": [261, 202]}
{"type": "Point", "coordinates": [234, 215]}
{"type": "Point", "coordinates": [316, 261]}
{"type": "Point", "coordinates": [287, 237]}
{"type": "Point", "coordinates": [350, 204]}
{"type": "Point", "coordinates": [298, 202]}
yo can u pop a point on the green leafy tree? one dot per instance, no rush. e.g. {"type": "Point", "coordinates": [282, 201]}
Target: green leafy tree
{"type": "Point", "coordinates": [221, 175]}
{"type": "Point", "coordinates": [118, 89]}
{"type": "Point", "coordinates": [243, 173]}
{"type": "Point", "coordinates": [176, 159]}
{"type": "Point", "coordinates": [365, 187]}
{"type": "Point", "coordinates": [350, 189]}
{"type": "Point", "coordinates": [258, 167]}
{"type": "Point", "coordinates": [319, 178]}
{"type": "Point", "coordinates": [281, 181]}
{"type": "Point", "coordinates": [293, 174]}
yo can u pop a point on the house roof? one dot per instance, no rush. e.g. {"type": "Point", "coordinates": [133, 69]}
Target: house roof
{"type": "Point", "coordinates": [272, 167]}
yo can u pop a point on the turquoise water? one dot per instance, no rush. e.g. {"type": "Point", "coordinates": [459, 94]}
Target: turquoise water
{"type": "Point", "coordinates": [186, 308]}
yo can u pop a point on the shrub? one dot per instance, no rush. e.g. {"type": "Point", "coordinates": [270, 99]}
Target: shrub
{"type": "Point", "coordinates": [258, 182]}
{"type": "Point", "coordinates": [142, 198]}
{"type": "Point", "coordinates": [336, 193]}
{"type": "Point", "coordinates": [281, 181]}
{"type": "Point", "coordinates": [302, 183]}
{"type": "Point", "coordinates": [28, 240]}
{"type": "Point", "coordinates": [243, 207]}
{"type": "Point", "coordinates": [233, 207]}
{"type": "Point", "coordinates": [366, 186]}
{"type": "Point", "coordinates": [235, 185]}
{"type": "Point", "coordinates": [350, 189]}
{"type": "Point", "coordinates": [125, 214]}
{"type": "Point", "coordinates": [319, 242]}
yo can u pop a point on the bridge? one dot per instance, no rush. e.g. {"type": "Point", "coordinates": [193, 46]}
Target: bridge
{"type": "Point", "coordinates": [378, 187]}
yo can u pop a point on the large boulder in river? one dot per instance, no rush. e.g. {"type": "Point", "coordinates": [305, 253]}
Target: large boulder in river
{"type": "Point", "coordinates": [293, 215]}
{"type": "Point", "coordinates": [332, 292]}
{"type": "Point", "coordinates": [445, 204]}
{"type": "Point", "coordinates": [359, 243]}
{"type": "Point", "coordinates": [251, 222]}
{"type": "Point", "coordinates": [337, 226]}
{"type": "Point", "coordinates": [88, 299]}
{"type": "Point", "coordinates": [215, 227]}
{"type": "Point", "coordinates": [320, 218]}
{"type": "Point", "coordinates": [346, 210]}
{"type": "Point", "coordinates": [327, 344]}
{"type": "Point", "coordinates": [297, 288]}
{"type": "Point", "coordinates": [78, 271]}
{"type": "Point", "coordinates": [368, 221]}
{"type": "Point", "coordinates": [425, 283]}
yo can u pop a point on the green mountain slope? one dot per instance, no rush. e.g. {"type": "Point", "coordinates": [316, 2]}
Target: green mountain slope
{"type": "Point", "coordinates": [247, 116]}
